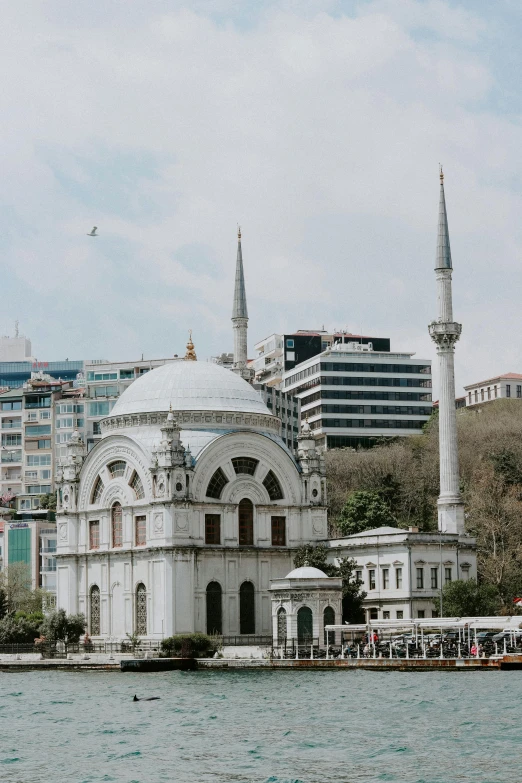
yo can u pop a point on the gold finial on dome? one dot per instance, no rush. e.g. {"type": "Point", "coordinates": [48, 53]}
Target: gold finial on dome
{"type": "Point", "coordinates": [191, 354]}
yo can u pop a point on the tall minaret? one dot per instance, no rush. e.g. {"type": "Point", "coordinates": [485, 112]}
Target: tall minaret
{"type": "Point", "coordinates": [445, 332]}
{"type": "Point", "coordinates": [240, 318]}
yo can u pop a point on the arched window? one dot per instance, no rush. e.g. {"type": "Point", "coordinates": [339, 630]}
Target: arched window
{"type": "Point", "coordinates": [216, 484]}
{"type": "Point", "coordinates": [117, 525]}
{"type": "Point", "coordinates": [117, 468]}
{"type": "Point", "coordinates": [94, 611]}
{"type": "Point", "coordinates": [97, 491]}
{"type": "Point", "coordinates": [281, 626]}
{"type": "Point", "coordinates": [272, 486]}
{"type": "Point", "coordinates": [304, 625]}
{"type": "Point", "coordinates": [245, 465]}
{"type": "Point", "coordinates": [246, 522]}
{"type": "Point", "coordinates": [141, 610]}
{"type": "Point", "coordinates": [329, 619]}
{"type": "Point", "coordinates": [214, 608]}
{"type": "Point", "coordinates": [247, 608]}
{"type": "Point", "coordinates": [137, 486]}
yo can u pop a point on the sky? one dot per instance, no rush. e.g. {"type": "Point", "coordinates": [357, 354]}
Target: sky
{"type": "Point", "coordinates": [317, 125]}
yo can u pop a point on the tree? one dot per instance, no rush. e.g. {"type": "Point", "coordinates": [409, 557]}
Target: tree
{"type": "Point", "coordinates": [469, 599]}
{"type": "Point", "coordinates": [20, 628]}
{"type": "Point", "coordinates": [60, 627]}
{"type": "Point", "coordinates": [353, 597]}
{"type": "Point", "coordinates": [364, 510]}
{"type": "Point", "coordinates": [48, 501]}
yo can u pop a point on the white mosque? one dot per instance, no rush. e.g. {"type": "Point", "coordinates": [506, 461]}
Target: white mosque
{"type": "Point", "coordinates": [187, 513]}
{"type": "Point", "coordinates": [190, 505]}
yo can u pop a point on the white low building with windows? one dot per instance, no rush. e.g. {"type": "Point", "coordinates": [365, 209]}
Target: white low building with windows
{"type": "Point", "coordinates": [403, 571]}
{"type": "Point", "coordinates": [507, 386]}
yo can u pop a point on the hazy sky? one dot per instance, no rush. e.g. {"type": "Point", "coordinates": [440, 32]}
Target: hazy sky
{"type": "Point", "coordinates": [317, 125]}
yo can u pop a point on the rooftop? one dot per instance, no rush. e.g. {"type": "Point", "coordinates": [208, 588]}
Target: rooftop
{"type": "Point", "coordinates": [508, 376]}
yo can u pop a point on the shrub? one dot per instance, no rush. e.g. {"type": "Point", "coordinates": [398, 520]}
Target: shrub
{"type": "Point", "coordinates": [189, 645]}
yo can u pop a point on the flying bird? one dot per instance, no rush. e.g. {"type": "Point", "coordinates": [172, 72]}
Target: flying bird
{"type": "Point", "coordinates": [93, 232]}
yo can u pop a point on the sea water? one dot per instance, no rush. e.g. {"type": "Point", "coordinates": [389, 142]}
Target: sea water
{"type": "Point", "coordinates": [261, 727]}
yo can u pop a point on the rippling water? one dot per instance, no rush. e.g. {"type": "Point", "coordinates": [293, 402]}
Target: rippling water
{"type": "Point", "coordinates": [261, 727]}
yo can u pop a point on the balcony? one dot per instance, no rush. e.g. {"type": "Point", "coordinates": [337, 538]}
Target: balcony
{"type": "Point", "coordinates": [11, 456]}
{"type": "Point", "coordinates": [8, 424]}
{"type": "Point", "coordinates": [48, 550]}
{"type": "Point", "coordinates": [47, 569]}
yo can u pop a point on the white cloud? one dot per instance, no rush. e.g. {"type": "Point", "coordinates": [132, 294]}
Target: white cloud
{"type": "Point", "coordinates": [319, 131]}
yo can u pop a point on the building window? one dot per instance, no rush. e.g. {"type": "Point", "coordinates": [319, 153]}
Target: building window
{"type": "Point", "coordinates": [305, 625]}
{"type": "Point", "coordinates": [94, 534]}
{"type": "Point", "coordinates": [137, 486]}
{"type": "Point", "coordinates": [246, 522]}
{"type": "Point", "coordinates": [371, 575]}
{"type": "Point", "coordinates": [385, 578]}
{"type": "Point", "coordinates": [400, 614]}
{"type": "Point", "coordinates": [447, 575]}
{"type": "Point", "coordinates": [420, 578]}
{"type": "Point", "coordinates": [214, 608]}
{"type": "Point", "coordinates": [508, 390]}
{"type": "Point", "coordinates": [465, 573]}
{"type": "Point", "coordinates": [434, 578]}
{"type": "Point", "coordinates": [489, 392]}
{"type": "Point", "coordinates": [420, 614]}
{"type": "Point", "coordinates": [141, 610]}
{"type": "Point", "coordinates": [519, 391]}
{"type": "Point", "coordinates": [374, 614]}
{"type": "Point", "coordinates": [272, 486]}
{"type": "Point", "coordinates": [212, 529]}
{"type": "Point", "coordinates": [278, 531]}
{"type": "Point", "coordinates": [245, 465]}
{"type": "Point", "coordinates": [281, 626]}
{"type": "Point", "coordinates": [482, 395]}
{"type": "Point", "coordinates": [385, 615]}
{"type": "Point", "coordinates": [216, 484]}
{"type": "Point", "coordinates": [117, 525]}
{"type": "Point", "coordinates": [290, 343]}
{"type": "Point", "coordinates": [398, 578]}
{"type": "Point", "coordinates": [95, 611]}
{"type": "Point", "coordinates": [117, 469]}
{"type": "Point", "coordinates": [359, 576]}
{"type": "Point", "coordinates": [140, 524]}
{"type": "Point", "coordinates": [247, 609]}
{"type": "Point", "coordinates": [329, 619]}
{"type": "Point", "coordinates": [469, 398]}
{"type": "Point", "coordinates": [495, 392]}
{"type": "Point", "coordinates": [97, 491]}
{"type": "Point", "coordinates": [476, 395]}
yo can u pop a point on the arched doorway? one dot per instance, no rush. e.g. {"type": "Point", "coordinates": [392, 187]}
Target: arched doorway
{"type": "Point", "coordinates": [304, 625]}
{"type": "Point", "coordinates": [329, 619]}
{"type": "Point", "coordinates": [246, 522]}
{"type": "Point", "coordinates": [214, 608]}
{"type": "Point", "coordinates": [141, 610]}
{"type": "Point", "coordinates": [94, 611]}
{"type": "Point", "coordinates": [247, 608]}
{"type": "Point", "coordinates": [281, 626]}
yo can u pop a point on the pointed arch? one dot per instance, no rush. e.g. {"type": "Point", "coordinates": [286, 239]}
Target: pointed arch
{"type": "Point", "coordinates": [328, 619]}
{"type": "Point", "coordinates": [141, 609]}
{"type": "Point", "coordinates": [246, 522]}
{"type": "Point", "coordinates": [214, 608]}
{"type": "Point", "coordinates": [94, 611]}
{"type": "Point", "coordinates": [117, 525]}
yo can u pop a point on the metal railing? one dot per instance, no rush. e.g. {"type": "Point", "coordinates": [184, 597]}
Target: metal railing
{"type": "Point", "coordinates": [246, 640]}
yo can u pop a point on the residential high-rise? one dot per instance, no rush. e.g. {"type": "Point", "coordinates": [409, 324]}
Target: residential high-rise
{"type": "Point", "coordinates": [445, 332]}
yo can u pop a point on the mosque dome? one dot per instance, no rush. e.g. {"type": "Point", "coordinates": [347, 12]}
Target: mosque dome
{"type": "Point", "coordinates": [306, 572]}
{"type": "Point", "coordinates": [190, 386]}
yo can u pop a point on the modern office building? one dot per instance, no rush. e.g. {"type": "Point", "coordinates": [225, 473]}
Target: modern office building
{"type": "Point", "coordinates": [507, 386]}
{"type": "Point", "coordinates": [354, 396]}
{"type": "Point", "coordinates": [287, 407]}
{"type": "Point", "coordinates": [279, 353]}
{"type": "Point", "coordinates": [33, 543]}
{"type": "Point", "coordinates": [13, 375]}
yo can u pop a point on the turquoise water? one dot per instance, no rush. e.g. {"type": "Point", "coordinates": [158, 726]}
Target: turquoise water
{"type": "Point", "coordinates": [261, 727]}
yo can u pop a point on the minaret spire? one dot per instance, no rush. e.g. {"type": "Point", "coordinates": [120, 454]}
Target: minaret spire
{"type": "Point", "coordinates": [240, 317]}
{"type": "Point", "coordinates": [445, 332]}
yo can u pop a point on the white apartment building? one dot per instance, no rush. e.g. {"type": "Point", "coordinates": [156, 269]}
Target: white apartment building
{"type": "Point", "coordinates": [354, 396]}
{"type": "Point", "coordinates": [403, 571]}
{"type": "Point", "coordinates": [502, 387]}
{"type": "Point", "coordinates": [15, 349]}
{"type": "Point", "coordinates": [11, 454]}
